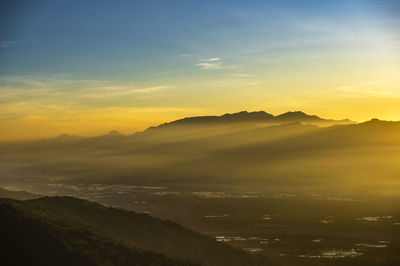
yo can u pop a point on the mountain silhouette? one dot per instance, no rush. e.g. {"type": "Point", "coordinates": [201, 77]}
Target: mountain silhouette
{"type": "Point", "coordinates": [286, 153]}
{"type": "Point", "coordinates": [40, 237]}
{"type": "Point", "coordinates": [254, 117]}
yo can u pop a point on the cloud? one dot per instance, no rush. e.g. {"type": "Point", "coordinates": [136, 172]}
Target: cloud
{"type": "Point", "coordinates": [47, 106]}
{"type": "Point", "coordinates": [151, 89]}
{"type": "Point", "coordinates": [213, 59]}
{"type": "Point", "coordinates": [6, 44]}
{"type": "Point", "coordinates": [213, 63]}
{"type": "Point", "coordinates": [234, 82]}
{"type": "Point", "coordinates": [369, 88]}
{"type": "Point", "coordinates": [14, 89]}
{"type": "Point", "coordinates": [40, 120]}
{"type": "Point", "coordinates": [241, 75]}
{"type": "Point", "coordinates": [210, 66]}
{"type": "Point", "coordinates": [108, 92]}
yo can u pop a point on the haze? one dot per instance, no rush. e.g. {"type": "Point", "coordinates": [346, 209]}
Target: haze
{"type": "Point", "coordinates": [223, 132]}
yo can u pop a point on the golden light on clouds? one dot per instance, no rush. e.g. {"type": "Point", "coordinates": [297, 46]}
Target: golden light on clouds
{"type": "Point", "coordinates": [337, 60]}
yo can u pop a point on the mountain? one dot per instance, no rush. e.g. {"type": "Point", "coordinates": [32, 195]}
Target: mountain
{"type": "Point", "coordinates": [36, 237]}
{"type": "Point", "coordinates": [70, 231]}
{"type": "Point", "coordinates": [114, 133]}
{"type": "Point", "coordinates": [229, 120]}
{"type": "Point", "coordinates": [302, 117]}
{"type": "Point", "coordinates": [269, 156]}
{"type": "Point", "coordinates": [239, 117]}
{"type": "Point", "coordinates": [18, 195]}
{"type": "Point", "coordinates": [67, 137]}
{"type": "Point", "coordinates": [255, 117]}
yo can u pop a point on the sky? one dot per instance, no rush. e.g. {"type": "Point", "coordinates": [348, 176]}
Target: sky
{"type": "Point", "coordinates": [88, 67]}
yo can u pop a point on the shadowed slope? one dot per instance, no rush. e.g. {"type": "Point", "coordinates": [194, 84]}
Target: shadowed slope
{"type": "Point", "coordinates": [37, 237]}
{"type": "Point", "coordinates": [18, 195]}
{"type": "Point", "coordinates": [139, 230]}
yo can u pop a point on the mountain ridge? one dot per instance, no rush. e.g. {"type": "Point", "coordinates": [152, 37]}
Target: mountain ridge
{"type": "Point", "coordinates": [18, 195]}
{"type": "Point", "coordinates": [237, 118]}
{"type": "Point", "coordinates": [97, 224]}
{"type": "Point", "coordinates": [253, 117]}
{"type": "Point", "coordinates": [39, 237]}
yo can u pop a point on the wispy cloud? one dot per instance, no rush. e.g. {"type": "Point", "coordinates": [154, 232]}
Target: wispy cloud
{"type": "Point", "coordinates": [63, 91]}
{"type": "Point", "coordinates": [6, 44]}
{"type": "Point", "coordinates": [213, 59]}
{"type": "Point", "coordinates": [213, 63]}
{"type": "Point", "coordinates": [368, 88]}
{"type": "Point", "coordinates": [234, 82]}
{"type": "Point", "coordinates": [108, 92]}
{"type": "Point", "coordinates": [47, 106]}
{"type": "Point", "coordinates": [151, 89]}
{"type": "Point", "coordinates": [241, 75]}
{"type": "Point", "coordinates": [210, 66]}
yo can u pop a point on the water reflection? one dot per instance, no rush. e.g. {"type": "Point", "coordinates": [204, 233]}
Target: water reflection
{"type": "Point", "coordinates": [333, 254]}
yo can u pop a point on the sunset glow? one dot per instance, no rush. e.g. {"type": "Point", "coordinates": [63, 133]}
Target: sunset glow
{"type": "Point", "coordinates": [129, 65]}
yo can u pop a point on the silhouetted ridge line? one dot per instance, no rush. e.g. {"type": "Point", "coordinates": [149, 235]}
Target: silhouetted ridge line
{"type": "Point", "coordinates": [297, 115]}
{"type": "Point", "coordinates": [253, 117]}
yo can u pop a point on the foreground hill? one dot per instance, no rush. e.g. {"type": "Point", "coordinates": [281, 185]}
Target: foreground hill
{"type": "Point", "coordinates": [70, 231]}
{"type": "Point", "coordinates": [18, 195]}
{"type": "Point", "coordinates": [32, 238]}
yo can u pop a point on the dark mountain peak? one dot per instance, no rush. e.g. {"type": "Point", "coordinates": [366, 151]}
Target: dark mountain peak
{"type": "Point", "coordinates": [190, 121]}
{"type": "Point", "coordinates": [244, 115]}
{"type": "Point", "coordinates": [378, 122]}
{"type": "Point", "coordinates": [113, 133]}
{"type": "Point", "coordinates": [297, 115]}
{"type": "Point", "coordinates": [252, 117]}
{"type": "Point", "coordinates": [375, 120]}
{"type": "Point", "coordinates": [294, 112]}
{"type": "Point", "coordinates": [235, 114]}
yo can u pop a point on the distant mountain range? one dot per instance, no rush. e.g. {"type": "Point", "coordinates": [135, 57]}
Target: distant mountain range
{"type": "Point", "coordinates": [258, 117]}
{"type": "Point", "coordinates": [70, 231]}
{"type": "Point", "coordinates": [282, 151]}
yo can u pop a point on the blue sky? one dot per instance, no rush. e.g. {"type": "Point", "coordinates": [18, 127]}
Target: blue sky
{"type": "Point", "coordinates": [136, 38]}
{"type": "Point", "coordinates": [201, 56]}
